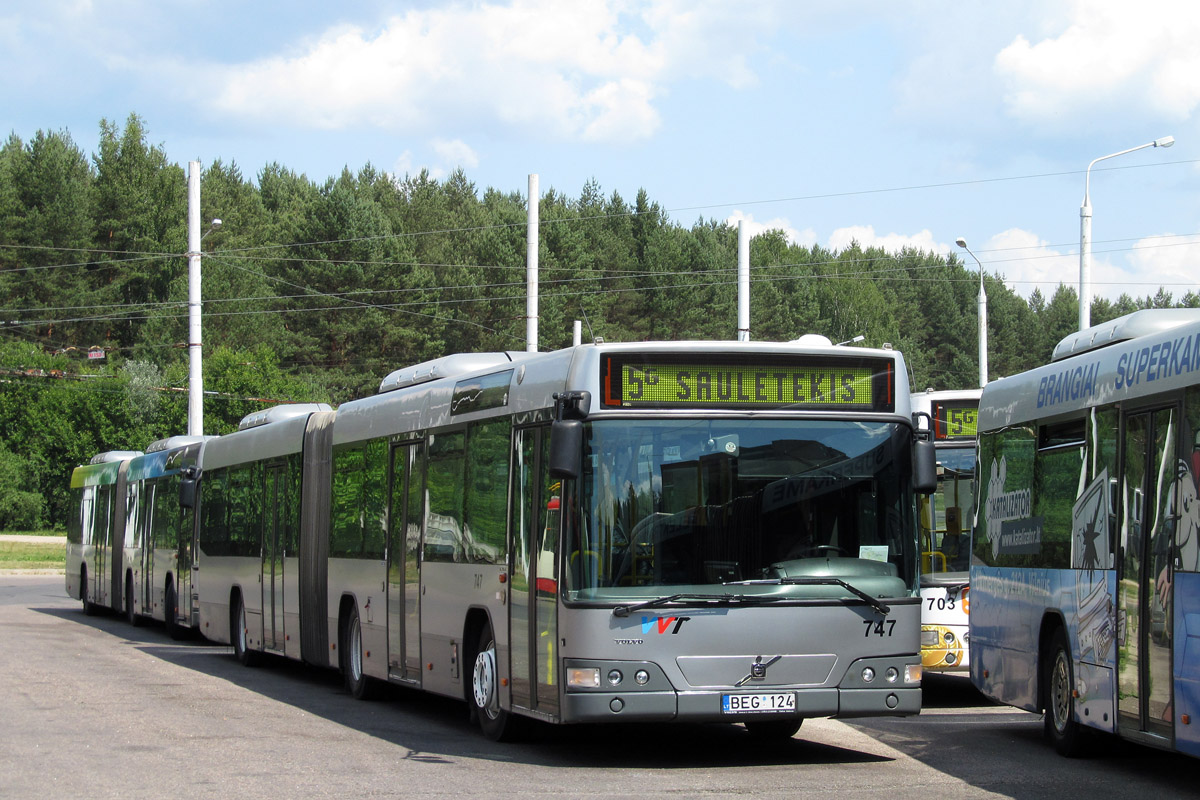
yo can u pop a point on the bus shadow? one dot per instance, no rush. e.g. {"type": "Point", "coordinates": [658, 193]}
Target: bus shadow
{"type": "Point", "coordinates": [436, 729]}
{"type": "Point", "coordinates": [964, 734]}
{"type": "Point", "coordinates": [951, 691]}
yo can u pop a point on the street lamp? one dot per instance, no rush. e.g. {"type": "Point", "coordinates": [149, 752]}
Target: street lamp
{"type": "Point", "coordinates": [983, 365]}
{"type": "Point", "coordinates": [1085, 232]}
{"type": "Point", "coordinates": [195, 415]}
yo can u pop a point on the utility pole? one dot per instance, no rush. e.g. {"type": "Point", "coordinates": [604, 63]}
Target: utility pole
{"type": "Point", "coordinates": [195, 371]}
{"type": "Point", "coordinates": [531, 268]}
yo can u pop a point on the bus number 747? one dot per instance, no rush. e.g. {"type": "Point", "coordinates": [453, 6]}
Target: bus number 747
{"type": "Point", "coordinates": [881, 627]}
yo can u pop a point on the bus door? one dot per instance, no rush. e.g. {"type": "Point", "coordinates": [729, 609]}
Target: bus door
{"type": "Point", "coordinates": [404, 566]}
{"type": "Point", "coordinates": [272, 560]}
{"type": "Point", "coordinates": [533, 589]}
{"type": "Point", "coordinates": [146, 514]}
{"type": "Point", "coordinates": [1144, 602]}
{"type": "Point", "coordinates": [98, 574]}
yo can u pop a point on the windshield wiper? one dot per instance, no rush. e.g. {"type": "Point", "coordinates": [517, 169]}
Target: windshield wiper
{"type": "Point", "coordinates": [626, 610]}
{"type": "Point", "coordinates": [873, 602]}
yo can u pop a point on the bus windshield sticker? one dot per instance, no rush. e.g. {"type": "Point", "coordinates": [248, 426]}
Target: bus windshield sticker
{"type": "Point", "coordinates": [1090, 538]}
{"type": "Point", "coordinates": [1010, 528]}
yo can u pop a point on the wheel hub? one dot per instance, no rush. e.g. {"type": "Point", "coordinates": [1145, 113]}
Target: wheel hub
{"type": "Point", "coordinates": [483, 680]}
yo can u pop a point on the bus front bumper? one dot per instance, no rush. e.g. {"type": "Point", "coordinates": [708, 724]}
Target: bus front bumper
{"type": "Point", "coordinates": [706, 706]}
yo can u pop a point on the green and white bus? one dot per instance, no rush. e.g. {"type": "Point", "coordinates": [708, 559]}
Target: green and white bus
{"type": "Point", "coordinates": [691, 531]}
{"type": "Point", "coordinates": [96, 522]}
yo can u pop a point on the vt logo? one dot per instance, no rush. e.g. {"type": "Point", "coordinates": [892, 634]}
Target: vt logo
{"type": "Point", "coordinates": [663, 623]}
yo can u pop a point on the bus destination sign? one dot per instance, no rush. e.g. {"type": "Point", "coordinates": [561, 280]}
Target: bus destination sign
{"type": "Point", "coordinates": [760, 382]}
{"type": "Point", "coordinates": [955, 421]}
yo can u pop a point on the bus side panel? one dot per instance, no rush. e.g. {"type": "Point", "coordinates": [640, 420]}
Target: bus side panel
{"type": "Point", "coordinates": [291, 607]}
{"type": "Point", "coordinates": [449, 591]}
{"type": "Point", "coordinates": [1010, 606]}
{"type": "Point", "coordinates": [1004, 636]}
{"type": "Point", "coordinates": [214, 582]}
{"type": "Point", "coordinates": [1187, 660]}
{"type": "Point", "coordinates": [364, 580]}
{"type": "Point", "coordinates": [1088, 608]}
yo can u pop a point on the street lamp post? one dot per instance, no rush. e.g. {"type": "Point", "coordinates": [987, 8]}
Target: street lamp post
{"type": "Point", "coordinates": [195, 416]}
{"type": "Point", "coordinates": [983, 361]}
{"type": "Point", "coordinates": [1085, 232]}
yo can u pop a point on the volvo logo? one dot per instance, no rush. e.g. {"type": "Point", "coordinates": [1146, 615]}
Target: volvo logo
{"type": "Point", "coordinates": [758, 670]}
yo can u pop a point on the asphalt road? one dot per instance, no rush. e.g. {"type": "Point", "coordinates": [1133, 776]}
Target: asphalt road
{"type": "Point", "coordinates": [92, 707]}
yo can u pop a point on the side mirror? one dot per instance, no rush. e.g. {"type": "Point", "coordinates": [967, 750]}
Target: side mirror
{"type": "Point", "coordinates": [187, 489]}
{"type": "Point", "coordinates": [566, 443]}
{"type": "Point", "coordinates": [924, 466]}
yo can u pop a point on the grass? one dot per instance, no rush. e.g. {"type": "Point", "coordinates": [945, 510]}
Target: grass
{"type": "Point", "coordinates": [32, 555]}
{"type": "Point", "coordinates": [48, 532]}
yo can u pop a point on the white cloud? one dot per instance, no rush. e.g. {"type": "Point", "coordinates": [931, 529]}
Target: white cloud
{"type": "Point", "coordinates": [457, 152]}
{"type": "Point", "coordinates": [805, 238]}
{"type": "Point", "coordinates": [1111, 54]}
{"type": "Point", "coordinates": [866, 237]}
{"type": "Point", "coordinates": [1027, 262]}
{"type": "Point", "coordinates": [1165, 261]}
{"type": "Point", "coordinates": [573, 71]}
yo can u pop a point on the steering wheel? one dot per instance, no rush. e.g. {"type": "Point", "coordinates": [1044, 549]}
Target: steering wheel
{"type": "Point", "coordinates": [825, 549]}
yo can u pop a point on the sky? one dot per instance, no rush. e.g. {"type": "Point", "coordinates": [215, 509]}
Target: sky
{"type": "Point", "coordinates": [887, 124]}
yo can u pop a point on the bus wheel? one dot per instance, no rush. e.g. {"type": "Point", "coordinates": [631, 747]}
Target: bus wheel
{"type": "Point", "coordinates": [1061, 727]}
{"type": "Point", "coordinates": [170, 610]}
{"type": "Point", "coordinates": [497, 724]}
{"type": "Point", "coordinates": [89, 608]}
{"type": "Point", "coordinates": [774, 729]}
{"type": "Point", "coordinates": [131, 615]}
{"type": "Point", "coordinates": [237, 634]}
{"type": "Point", "coordinates": [359, 685]}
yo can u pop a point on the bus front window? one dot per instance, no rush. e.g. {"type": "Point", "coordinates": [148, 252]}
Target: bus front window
{"type": "Point", "coordinates": [695, 503]}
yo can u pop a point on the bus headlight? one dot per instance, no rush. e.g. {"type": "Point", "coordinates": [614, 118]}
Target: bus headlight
{"type": "Point", "coordinates": [583, 678]}
{"type": "Point", "coordinates": [615, 677]}
{"type": "Point", "coordinates": [868, 674]}
{"type": "Point", "coordinates": [912, 673]}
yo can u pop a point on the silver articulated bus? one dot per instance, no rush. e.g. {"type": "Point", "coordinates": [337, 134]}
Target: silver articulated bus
{"type": "Point", "coordinates": [701, 531]}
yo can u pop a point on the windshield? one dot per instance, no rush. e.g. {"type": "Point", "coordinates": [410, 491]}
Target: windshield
{"type": "Point", "coordinates": [703, 503]}
{"type": "Point", "coordinates": [947, 514]}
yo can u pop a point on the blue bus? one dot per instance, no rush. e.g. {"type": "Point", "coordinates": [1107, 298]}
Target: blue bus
{"type": "Point", "coordinates": [1085, 577]}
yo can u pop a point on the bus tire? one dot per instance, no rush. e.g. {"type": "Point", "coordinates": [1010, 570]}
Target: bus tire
{"type": "Point", "coordinates": [358, 684]}
{"type": "Point", "coordinates": [497, 724]}
{"type": "Point", "coordinates": [1061, 727]}
{"type": "Point", "coordinates": [89, 608]}
{"type": "Point", "coordinates": [774, 729]}
{"type": "Point", "coordinates": [131, 615]}
{"type": "Point", "coordinates": [170, 606]}
{"type": "Point", "coordinates": [238, 634]}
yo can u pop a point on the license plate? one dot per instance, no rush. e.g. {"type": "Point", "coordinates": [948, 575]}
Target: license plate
{"type": "Point", "coordinates": [759, 703]}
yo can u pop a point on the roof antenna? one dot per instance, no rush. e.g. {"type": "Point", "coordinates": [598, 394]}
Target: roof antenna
{"type": "Point", "coordinates": [588, 322]}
